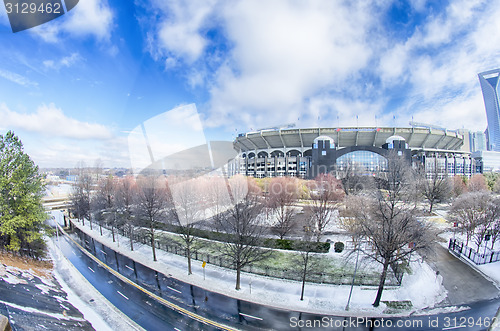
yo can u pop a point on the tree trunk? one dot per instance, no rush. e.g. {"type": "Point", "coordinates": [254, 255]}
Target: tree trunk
{"type": "Point", "coordinates": [238, 277]}
{"type": "Point", "coordinates": [153, 245]}
{"type": "Point", "coordinates": [131, 235]}
{"type": "Point", "coordinates": [431, 205]}
{"type": "Point", "coordinates": [188, 251]}
{"type": "Point", "coordinates": [304, 277]}
{"type": "Point", "coordinates": [381, 284]}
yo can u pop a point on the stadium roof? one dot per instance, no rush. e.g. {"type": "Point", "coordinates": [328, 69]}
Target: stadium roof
{"type": "Point", "coordinates": [416, 138]}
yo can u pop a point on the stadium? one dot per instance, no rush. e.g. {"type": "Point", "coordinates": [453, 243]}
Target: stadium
{"type": "Point", "coordinates": [306, 152]}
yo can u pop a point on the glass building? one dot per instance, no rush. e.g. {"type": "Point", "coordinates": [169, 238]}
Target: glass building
{"type": "Point", "coordinates": [490, 86]}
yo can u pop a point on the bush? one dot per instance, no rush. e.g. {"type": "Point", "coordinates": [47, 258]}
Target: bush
{"type": "Point", "coordinates": [339, 247]}
{"type": "Point", "coordinates": [284, 244]}
{"type": "Point", "coordinates": [288, 244]}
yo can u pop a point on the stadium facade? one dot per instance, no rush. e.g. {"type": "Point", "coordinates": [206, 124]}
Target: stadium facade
{"type": "Point", "coordinates": [306, 152]}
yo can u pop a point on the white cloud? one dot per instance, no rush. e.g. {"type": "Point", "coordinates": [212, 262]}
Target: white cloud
{"type": "Point", "coordinates": [51, 121]}
{"type": "Point", "coordinates": [179, 33]}
{"type": "Point", "coordinates": [89, 17]}
{"type": "Point", "coordinates": [284, 60]}
{"type": "Point", "coordinates": [66, 61]}
{"type": "Point", "coordinates": [286, 52]}
{"type": "Point", "coordinates": [64, 152]}
{"type": "Point", "coordinates": [16, 78]}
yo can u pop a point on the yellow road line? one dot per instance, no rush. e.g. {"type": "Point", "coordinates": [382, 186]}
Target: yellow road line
{"type": "Point", "coordinates": [158, 298]}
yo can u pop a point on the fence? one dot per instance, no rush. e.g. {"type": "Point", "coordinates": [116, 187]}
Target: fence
{"type": "Point", "coordinates": [394, 277]}
{"type": "Point", "coordinates": [486, 257]}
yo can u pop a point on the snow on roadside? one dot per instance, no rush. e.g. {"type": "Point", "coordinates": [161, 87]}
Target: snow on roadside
{"type": "Point", "coordinates": [62, 264]}
{"type": "Point", "coordinates": [421, 287]}
{"type": "Point", "coordinates": [101, 314]}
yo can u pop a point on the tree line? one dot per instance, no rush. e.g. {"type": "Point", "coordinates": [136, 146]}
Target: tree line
{"type": "Point", "coordinates": [238, 207]}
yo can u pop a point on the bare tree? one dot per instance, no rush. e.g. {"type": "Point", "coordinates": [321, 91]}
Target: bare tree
{"type": "Point", "coordinates": [494, 216]}
{"type": "Point", "coordinates": [387, 219]}
{"type": "Point", "coordinates": [348, 173]}
{"type": "Point", "coordinates": [306, 259]}
{"type": "Point", "coordinates": [283, 192]}
{"type": "Point", "coordinates": [151, 205]}
{"type": "Point", "coordinates": [242, 222]}
{"type": "Point", "coordinates": [326, 194]}
{"type": "Point", "coordinates": [470, 211]}
{"type": "Point", "coordinates": [126, 194]}
{"type": "Point", "coordinates": [187, 207]}
{"type": "Point", "coordinates": [459, 185]}
{"type": "Point", "coordinates": [434, 189]}
{"type": "Point", "coordinates": [82, 194]}
{"type": "Point", "coordinates": [477, 212]}
{"type": "Point", "coordinates": [103, 203]}
{"type": "Point", "coordinates": [218, 200]}
{"type": "Point", "coordinates": [477, 183]}
{"type": "Point", "coordinates": [348, 222]}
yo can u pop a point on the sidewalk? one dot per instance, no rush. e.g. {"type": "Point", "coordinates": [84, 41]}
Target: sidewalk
{"type": "Point", "coordinates": [423, 288]}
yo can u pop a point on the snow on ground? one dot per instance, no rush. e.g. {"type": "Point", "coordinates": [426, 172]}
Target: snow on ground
{"type": "Point", "coordinates": [56, 191]}
{"type": "Point", "coordinates": [100, 312]}
{"type": "Point", "coordinates": [422, 287]}
{"type": "Point", "coordinates": [38, 311]}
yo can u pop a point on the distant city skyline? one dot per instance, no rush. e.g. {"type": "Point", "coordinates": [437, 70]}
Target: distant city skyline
{"type": "Point", "coordinates": [72, 89]}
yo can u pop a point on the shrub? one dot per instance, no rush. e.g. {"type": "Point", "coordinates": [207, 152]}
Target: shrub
{"type": "Point", "coordinates": [284, 244]}
{"type": "Point", "coordinates": [339, 247]}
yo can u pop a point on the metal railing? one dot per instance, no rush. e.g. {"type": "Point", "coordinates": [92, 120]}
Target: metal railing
{"type": "Point", "coordinates": [488, 256]}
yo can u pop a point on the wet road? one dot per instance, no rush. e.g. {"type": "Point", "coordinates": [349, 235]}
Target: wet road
{"type": "Point", "coordinates": [223, 311]}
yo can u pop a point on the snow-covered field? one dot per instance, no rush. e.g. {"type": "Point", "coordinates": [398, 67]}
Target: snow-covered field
{"type": "Point", "coordinates": [421, 287]}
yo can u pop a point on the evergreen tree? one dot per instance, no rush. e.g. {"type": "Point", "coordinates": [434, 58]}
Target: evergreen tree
{"type": "Point", "coordinates": [21, 189]}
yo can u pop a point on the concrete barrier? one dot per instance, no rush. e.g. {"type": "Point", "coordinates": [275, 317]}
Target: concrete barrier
{"type": "Point", "coordinates": [4, 324]}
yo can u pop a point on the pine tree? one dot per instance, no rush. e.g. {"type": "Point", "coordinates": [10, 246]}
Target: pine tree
{"type": "Point", "coordinates": [21, 189]}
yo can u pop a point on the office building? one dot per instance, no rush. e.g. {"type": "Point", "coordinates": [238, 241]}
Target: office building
{"type": "Point", "coordinates": [490, 86]}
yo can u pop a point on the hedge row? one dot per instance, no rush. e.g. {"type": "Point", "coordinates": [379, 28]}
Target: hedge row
{"type": "Point", "coordinates": [287, 244]}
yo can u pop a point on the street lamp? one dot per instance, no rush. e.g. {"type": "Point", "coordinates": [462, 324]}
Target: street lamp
{"type": "Point", "coordinates": [353, 277]}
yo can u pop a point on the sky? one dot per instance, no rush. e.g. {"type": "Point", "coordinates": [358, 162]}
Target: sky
{"type": "Point", "coordinates": [74, 89]}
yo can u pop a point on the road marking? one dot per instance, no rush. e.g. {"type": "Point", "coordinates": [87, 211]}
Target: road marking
{"type": "Point", "coordinates": [120, 293]}
{"type": "Point", "coordinates": [103, 251]}
{"type": "Point", "coordinates": [91, 269]}
{"type": "Point", "coordinates": [129, 267]}
{"type": "Point", "coordinates": [455, 327]}
{"type": "Point", "coordinates": [176, 329]}
{"type": "Point", "coordinates": [257, 318]}
{"type": "Point", "coordinates": [167, 303]}
{"type": "Point", "coordinates": [173, 289]}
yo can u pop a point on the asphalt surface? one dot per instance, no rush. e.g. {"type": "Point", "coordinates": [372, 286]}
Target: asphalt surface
{"type": "Point", "coordinates": [153, 315]}
{"type": "Point", "coordinates": [463, 283]}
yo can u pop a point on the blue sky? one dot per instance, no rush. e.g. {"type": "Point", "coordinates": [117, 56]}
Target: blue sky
{"type": "Point", "coordinates": [74, 88]}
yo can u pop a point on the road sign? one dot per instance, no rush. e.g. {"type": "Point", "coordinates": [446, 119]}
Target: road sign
{"type": "Point", "coordinates": [204, 264]}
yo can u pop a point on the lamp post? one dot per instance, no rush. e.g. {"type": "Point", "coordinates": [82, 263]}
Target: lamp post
{"type": "Point", "coordinates": [353, 278]}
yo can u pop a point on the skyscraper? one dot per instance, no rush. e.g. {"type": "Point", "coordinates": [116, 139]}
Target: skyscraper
{"type": "Point", "coordinates": [491, 89]}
